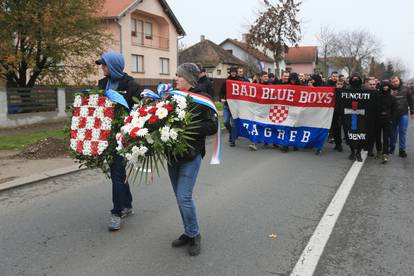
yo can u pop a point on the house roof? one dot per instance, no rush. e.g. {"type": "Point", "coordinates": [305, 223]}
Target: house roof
{"type": "Point", "coordinates": [300, 55]}
{"type": "Point", "coordinates": [250, 50]}
{"type": "Point", "coordinates": [208, 54]}
{"type": "Point", "coordinates": [117, 8]}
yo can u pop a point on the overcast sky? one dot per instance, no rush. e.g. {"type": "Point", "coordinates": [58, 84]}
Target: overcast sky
{"type": "Point", "coordinates": [392, 22]}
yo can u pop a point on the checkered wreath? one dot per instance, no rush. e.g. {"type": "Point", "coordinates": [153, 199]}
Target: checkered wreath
{"type": "Point", "coordinates": [95, 120]}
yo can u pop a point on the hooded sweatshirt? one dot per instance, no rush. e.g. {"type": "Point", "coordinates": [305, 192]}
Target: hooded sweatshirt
{"type": "Point", "coordinates": [117, 79]}
{"type": "Point", "coordinates": [387, 104]}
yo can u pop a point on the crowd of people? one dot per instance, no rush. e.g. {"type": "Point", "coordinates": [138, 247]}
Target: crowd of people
{"type": "Point", "coordinates": [392, 107]}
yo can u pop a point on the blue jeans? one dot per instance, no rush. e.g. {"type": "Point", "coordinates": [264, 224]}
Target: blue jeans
{"type": "Point", "coordinates": [229, 124]}
{"type": "Point", "coordinates": [183, 178]}
{"type": "Point", "coordinates": [121, 194]}
{"type": "Point", "coordinates": [399, 128]}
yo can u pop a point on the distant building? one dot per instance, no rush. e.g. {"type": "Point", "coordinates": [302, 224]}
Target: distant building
{"type": "Point", "coordinates": [146, 33]}
{"type": "Point", "coordinates": [255, 60]}
{"type": "Point", "coordinates": [212, 57]}
{"type": "Point", "coordinates": [302, 59]}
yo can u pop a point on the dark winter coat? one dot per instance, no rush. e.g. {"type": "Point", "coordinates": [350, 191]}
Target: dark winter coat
{"type": "Point", "coordinates": [386, 106]}
{"type": "Point", "coordinates": [205, 85]}
{"type": "Point", "coordinates": [128, 87]}
{"type": "Point", "coordinates": [404, 100]}
{"type": "Point", "coordinates": [206, 126]}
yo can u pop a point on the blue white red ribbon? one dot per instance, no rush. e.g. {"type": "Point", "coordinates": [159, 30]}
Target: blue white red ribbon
{"type": "Point", "coordinates": [197, 98]}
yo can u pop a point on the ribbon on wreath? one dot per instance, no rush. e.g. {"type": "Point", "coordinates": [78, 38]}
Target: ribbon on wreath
{"type": "Point", "coordinates": [197, 98]}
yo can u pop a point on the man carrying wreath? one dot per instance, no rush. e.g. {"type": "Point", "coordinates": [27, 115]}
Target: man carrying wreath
{"type": "Point", "coordinates": [112, 64]}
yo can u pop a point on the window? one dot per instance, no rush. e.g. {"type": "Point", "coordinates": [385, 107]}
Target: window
{"type": "Point", "coordinates": [230, 51]}
{"type": "Point", "coordinates": [133, 27]}
{"type": "Point", "coordinates": [137, 64]}
{"type": "Point", "coordinates": [164, 66]}
{"type": "Point", "coordinates": [148, 30]}
{"type": "Point", "coordinates": [140, 37]}
{"type": "Point", "coordinates": [218, 72]}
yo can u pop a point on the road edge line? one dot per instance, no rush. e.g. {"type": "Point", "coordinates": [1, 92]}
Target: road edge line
{"type": "Point", "coordinates": [310, 256]}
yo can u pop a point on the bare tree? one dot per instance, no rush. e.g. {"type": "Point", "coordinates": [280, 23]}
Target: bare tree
{"type": "Point", "coordinates": [326, 39]}
{"type": "Point", "coordinates": [275, 28]}
{"type": "Point", "coordinates": [354, 50]}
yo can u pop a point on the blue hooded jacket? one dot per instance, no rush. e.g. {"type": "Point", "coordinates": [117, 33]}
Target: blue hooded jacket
{"type": "Point", "coordinates": [116, 64]}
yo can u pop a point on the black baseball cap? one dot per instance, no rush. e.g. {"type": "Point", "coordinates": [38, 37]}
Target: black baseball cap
{"type": "Point", "coordinates": [100, 61]}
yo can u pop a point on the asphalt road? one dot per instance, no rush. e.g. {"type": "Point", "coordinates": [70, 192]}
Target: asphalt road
{"type": "Point", "coordinates": [58, 227]}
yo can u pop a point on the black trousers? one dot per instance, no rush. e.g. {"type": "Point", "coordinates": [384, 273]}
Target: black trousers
{"type": "Point", "coordinates": [383, 130]}
{"type": "Point", "coordinates": [336, 130]}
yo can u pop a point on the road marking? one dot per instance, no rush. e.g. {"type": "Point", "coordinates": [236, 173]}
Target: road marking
{"type": "Point", "coordinates": [309, 258]}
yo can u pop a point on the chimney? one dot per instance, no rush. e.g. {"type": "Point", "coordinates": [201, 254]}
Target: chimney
{"type": "Point", "coordinates": [244, 38]}
{"type": "Point", "coordinates": [202, 37]}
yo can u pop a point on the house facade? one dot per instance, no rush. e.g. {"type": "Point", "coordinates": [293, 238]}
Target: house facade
{"type": "Point", "coordinates": [302, 59]}
{"type": "Point", "coordinates": [212, 57]}
{"type": "Point", "coordinates": [255, 60]}
{"type": "Point", "coordinates": [146, 32]}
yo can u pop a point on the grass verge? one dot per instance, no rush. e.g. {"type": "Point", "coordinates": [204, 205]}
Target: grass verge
{"type": "Point", "coordinates": [19, 142]}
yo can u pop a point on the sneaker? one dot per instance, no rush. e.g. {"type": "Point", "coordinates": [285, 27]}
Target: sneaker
{"type": "Point", "coordinates": [253, 147]}
{"type": "Point", "coordinates": [126, 212]}
{"type": "Point", "coordinates": [384, 159]}
{"type": "Point", "coordinates": [194, 245]}
{"type": "Point", "coordinates": [379, 155]}
{"type": "Point", "coordinates": [338, 148]}
{"type": "Point", "coordinates": [232, 144]}
{"type": "Point", "coordinates": [402, 154]}
{"type": "Point", "coordinates": [391, 151]}
{"type": "Point", "coordinates": [358, 157]}
{"type": "Point", "coordinates": [318, 152]}
{"type": "Point", "coordinates": [181, 241]}
{"type": "Point", "coordinates": [115, 223]}
{"type": "Point", "coordinates": [371, 154]}
{"type": "Point", "coordinates": [351, 156]}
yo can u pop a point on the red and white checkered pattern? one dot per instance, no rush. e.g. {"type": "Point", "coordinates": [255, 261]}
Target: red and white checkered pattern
{"type": "Point", "coordinates": [278, 113]}
{"type": "Point", "coordinates": [91, 124]}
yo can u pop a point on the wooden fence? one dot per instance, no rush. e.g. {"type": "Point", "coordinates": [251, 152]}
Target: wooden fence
{"type": "Point", "coordinates": [27, 100]}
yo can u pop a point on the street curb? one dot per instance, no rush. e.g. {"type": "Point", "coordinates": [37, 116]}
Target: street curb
{"type": "Point", "coordinates": [21, 181]}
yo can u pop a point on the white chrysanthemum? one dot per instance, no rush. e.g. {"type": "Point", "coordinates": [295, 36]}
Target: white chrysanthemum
{"type": "Point", "coordinates": [165, 130]}
{"type": "Point", "coordinates": [181, 114]}
{"type": "Point", "coordinates": [84, 111]}
{"type": "Point", "coordinates": [90, 122]}
{"type": "Point", "coordinates": [178, 99]}
{"type": "Point", "coordinates": [95, 134]}
{"type": "Point", "coordinates": [161, 113]}
{"type": "Point", "coordinates": [128, 156]}
{"type": "Point", "coordinates": [93, 100]}
{"type": "Point", "coordinates": [87, 148]}
{"type": "Point", "coordinates": [81, 134]}
{"type": "Point", "coordinates": [78, 101]}
{"type": "Point", "coordinates": [160, 104]}
{"type": "Point", "coordinates": [142, 132]}
{"type": "Point", "coordinates": [165, 137]}
{"type": "Point", "coordinates": [149, 139]}
{"type": "Point", "coordinates": [73, 144]}
{"type": "Point", "coordinates": [102, 146]}
{"type": "Point", "coordinates": [106, 123]}
{"type": "Point", "coordinates": [108, 103]}
{"type": "Point", "coordinates": [182, 105]}
{"type": "Point", "coordinates": [142, 150]}
{"type": "Point", "coordinates": [75, 123]}
{"type": "Point", "coordinates": [173, 134]}
{"type": "Point", "coordinates": [99, 112]}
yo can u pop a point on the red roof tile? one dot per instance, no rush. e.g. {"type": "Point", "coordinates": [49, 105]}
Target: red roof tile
{"type": "Point", "coordinates": [113, 8]}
